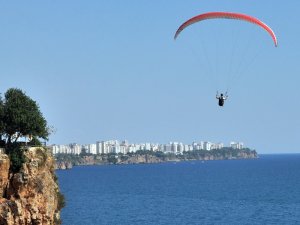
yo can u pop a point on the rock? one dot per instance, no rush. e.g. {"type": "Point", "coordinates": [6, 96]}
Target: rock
{"type": "Point", "coordinates": [63, 165]}
{"type": "Point", "coordinates": [137, 159]}
{"type": "Point", "coordinates": [4, 173]}
{"type": "Point", "coordinates": [31, 194]}
{"type": "Point", "coordinates": [68, 165]}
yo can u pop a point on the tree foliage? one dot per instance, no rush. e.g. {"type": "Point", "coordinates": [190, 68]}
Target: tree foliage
{"type": "Point", "coordinates": [20, 116]}
{"type": "Point", "coordinates": [16, 154]}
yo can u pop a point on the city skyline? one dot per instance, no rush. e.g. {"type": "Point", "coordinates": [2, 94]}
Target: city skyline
{"type": "Point", "coordinates": [116, 146]}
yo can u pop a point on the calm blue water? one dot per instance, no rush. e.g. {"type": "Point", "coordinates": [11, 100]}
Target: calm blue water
{"type": "Point", "coordinates": [262, 191]}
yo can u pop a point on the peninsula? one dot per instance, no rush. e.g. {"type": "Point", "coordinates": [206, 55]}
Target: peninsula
{"type": "Point", "coordinates": [67, 161]}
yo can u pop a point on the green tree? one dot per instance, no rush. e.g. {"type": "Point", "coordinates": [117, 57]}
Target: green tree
{"type": "Point", "coordinates": [20, 117]}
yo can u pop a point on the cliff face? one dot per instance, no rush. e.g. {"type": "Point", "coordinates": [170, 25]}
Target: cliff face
{"type": "Point", "coordinates": [103, 160]}
{"type": "Point", "coordinates": [229, 156]}
{"type": "Point", "coordinates": [32, 195]}
{"type": "Point", "coordinates": [66, 161]}
{"type": "Point", "coordinates": [4, 168]}
{"type": "Point", "coordinates": [137, 159]}
{"type": "Point", "coordinates": [63, 165]}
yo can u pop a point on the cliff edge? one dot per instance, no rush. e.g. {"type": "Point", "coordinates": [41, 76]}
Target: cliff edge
{"type": "Point", "coordinates": [32, 195]}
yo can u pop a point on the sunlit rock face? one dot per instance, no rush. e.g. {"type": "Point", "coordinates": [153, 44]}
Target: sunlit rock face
{"type": "Point", "coordinates": [4, 173]}
{"type": "Point", "coordinates": [31, 195]}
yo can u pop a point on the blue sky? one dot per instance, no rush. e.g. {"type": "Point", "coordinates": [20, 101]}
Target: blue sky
{"type": "Point", "coordinates": [111, 70]}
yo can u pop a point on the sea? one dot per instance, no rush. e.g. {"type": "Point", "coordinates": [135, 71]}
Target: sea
{"type": "Point", "coordinates": [257, 191]}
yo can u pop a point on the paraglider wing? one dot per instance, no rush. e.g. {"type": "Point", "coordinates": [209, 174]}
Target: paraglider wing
{"type": "Point", "coordinates": [227, 15]}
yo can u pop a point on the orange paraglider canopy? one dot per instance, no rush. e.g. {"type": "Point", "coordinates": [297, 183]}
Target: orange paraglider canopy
{"type": "Point", "coordinates": [227, 15]}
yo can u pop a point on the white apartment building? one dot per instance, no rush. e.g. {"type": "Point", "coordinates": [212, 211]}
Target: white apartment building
{"type": "Point", "coordinates": [99, 147]}
{"type": "Point", "coordinates": [55, 149]}
{"type": "Point", "coordinates": [123, 149]}
{"type": "Point", "coordinates": [75, 148]}
{"type": "Point", "coordinates": [180, 148]}
{"type": "Point", "coordinates": [147, 146]}
{"type": "Point", "coordinates": [236, 145]}
{"type": "Point", "coordinates": [207, 145]}
{"type": "Point", "coordinates": [107, 146]}
{"type": "Point", "coordinates": [155, 147]}
{"type": "Point", "coordinates": [92, 148]}
{"type": "Point", "coordinates": [176, 147]}
{"type": "Point", "coordinates": [116, 148]}
{"type": "Point", "coordinates": [186, 147]}
{"type": "Point", "coordinates": [132, 148]}
{"type": "Point", "coordinates": [197, 146]}
{"type": "Point", "coordinates": [167, 148]}
{"type": "Point", "coordinates": [217, 145]}
{"type": "Point", "coordinates": [66, 149]}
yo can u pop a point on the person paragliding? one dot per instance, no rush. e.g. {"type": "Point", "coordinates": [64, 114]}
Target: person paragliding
{"type": "Point", "coordinates": [226, 15]}
{"type": "Point", "coordinates": [221, 98]}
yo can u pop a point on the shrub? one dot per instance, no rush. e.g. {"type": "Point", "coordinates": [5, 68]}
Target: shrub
{"type": "Point", "coordinates": [17, 158]}
{"type": "Point", "coordinates": [61, 201]}
{"type": "Point", "coordinates": [34, 142]}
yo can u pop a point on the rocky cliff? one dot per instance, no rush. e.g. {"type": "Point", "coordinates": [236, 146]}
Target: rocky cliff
{"type": "Point", "coordinates": [63, 165]}
{"type": "Point", "coordinates": [30, 196]}
{"type": "Point", "coordinates": [66, 161]}
{"type": "Point", "coordinates": [137, 159]}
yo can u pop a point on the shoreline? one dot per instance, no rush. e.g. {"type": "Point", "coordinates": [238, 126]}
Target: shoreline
{"type": "Point", "coordinates": [67, 161]}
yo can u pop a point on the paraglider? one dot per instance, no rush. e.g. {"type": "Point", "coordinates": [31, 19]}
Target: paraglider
{"type": "Point", "coordinates": [227, 15]}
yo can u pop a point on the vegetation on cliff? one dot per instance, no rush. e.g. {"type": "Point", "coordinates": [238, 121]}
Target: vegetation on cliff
{"type": "Point", "coordinates": [20, 116]}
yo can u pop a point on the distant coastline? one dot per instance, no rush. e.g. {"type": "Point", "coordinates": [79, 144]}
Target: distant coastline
{"type": "Point", "coordinates": [67, 161]}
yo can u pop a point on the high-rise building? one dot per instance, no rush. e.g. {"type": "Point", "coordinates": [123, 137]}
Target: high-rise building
{"type": "Point", "coordinates": [207, 145]}
{"type": "Point", "coordinates": [99, 147]}
{"type": "Point", "coordinates": [167, 148]}
{"type": "Point", "coordinates": [75, 148]}
{"type": "Point", "coordinates": [236, 145]}
{"type": "Point", "coordinates": [92, 148]}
